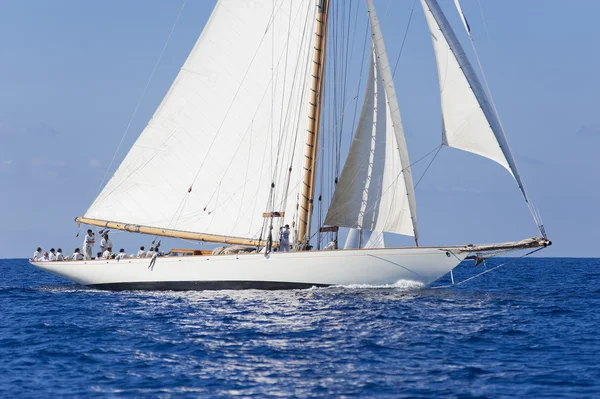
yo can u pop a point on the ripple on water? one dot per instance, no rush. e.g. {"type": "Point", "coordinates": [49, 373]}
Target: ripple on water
{"type": "Point", "coordinates": [521, 332]}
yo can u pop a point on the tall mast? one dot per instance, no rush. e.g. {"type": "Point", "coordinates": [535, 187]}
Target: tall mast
{"type": "Point", "coordinates": [314, 116]}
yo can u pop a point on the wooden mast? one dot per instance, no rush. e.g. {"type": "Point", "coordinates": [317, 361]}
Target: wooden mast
{"type": "Point", "coordinates": [312, 138]}
{"type": "Point", "coordinates": [187, 235]}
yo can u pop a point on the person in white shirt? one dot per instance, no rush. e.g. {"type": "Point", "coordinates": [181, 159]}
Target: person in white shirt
{"type": "Point", "coordinates": [52, 255]}
{"type": "Point", "coordinates": [150, 253]}
{"type": "Point", "coordinates": [105, 243]}
{"type": "Point", "coordinates": [141, 253]}
{"type": "Point", "coordinates": [37, 253]}
{"type": "Point", "coordinates": [106, 254]}
{"type": "Point", "coordinates": [44, 258]}
{"type": "Point", "coordinates": [284, 242]}
{"type": "Point", "coordinates": [88, 244]}
{"type": "Point", "coordinates": [77, 255]}
{"type": "Point", "coordinates": [59, 255]}
{"type": "Point", "coordinates": [121, 255]}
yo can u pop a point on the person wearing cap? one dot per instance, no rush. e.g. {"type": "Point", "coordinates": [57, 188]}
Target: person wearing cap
{"type": "Point", "coordinates": [59, 255]}
{"type": "Point", "coordinates": [284, 242]}
{"type": "Point", "coordinates": [52, 254]}
{"type": "Point", "coordinates": [88, 245]}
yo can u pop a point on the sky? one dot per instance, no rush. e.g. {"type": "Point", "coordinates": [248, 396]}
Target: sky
{"type": "Point", "coordinates": [72, 73]}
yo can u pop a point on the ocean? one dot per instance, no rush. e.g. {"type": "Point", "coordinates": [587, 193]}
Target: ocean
{"type": "Point", "coordinates": [528, 330]}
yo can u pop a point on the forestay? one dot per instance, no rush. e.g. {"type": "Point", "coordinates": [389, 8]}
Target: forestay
{"type": "Point", "coordinates": [371, 193]}
{"type": "Point", "coordinates": [232, 123]}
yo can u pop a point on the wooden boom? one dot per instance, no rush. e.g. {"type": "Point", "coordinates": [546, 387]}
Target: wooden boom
{"type": "Point", "coordinates": [187, 235]}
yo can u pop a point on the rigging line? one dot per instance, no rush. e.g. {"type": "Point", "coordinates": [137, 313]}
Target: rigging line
{"type": "Point", "coordinates": [488, 270]}
{"type": "Point", "coordinates": [395, 264]}
{"type": "Point", "coordinates": [428, 166]}
{"type": "Point", "coordinates": [362, 64]}
{"type": "Point", "coordinates": [292, 117]}
{"type": "Point", "coordinates": [225, 117]}
{"type": "Point", "coordinates": [387, 9]}
{"type": "Point", "coordinates": [281, 113]}
{"type": "Point", "coordinates": [533, 212]}
{"type": "Point", "coordinates": [485, 25]}
{"type": "Point", "coordinates": [274, 80]}
{"type": "Point", "coordinates": [349, 49]}
{"type": "Point", "coordinates": [404, 38]}
{"type": "Point", "coordinates": [142, 96]}
{"type": "Point", "coordinates": [393, 183]}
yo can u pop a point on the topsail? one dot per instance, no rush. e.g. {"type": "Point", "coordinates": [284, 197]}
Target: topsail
{"type": "Point", "coordinates": [469, 121]}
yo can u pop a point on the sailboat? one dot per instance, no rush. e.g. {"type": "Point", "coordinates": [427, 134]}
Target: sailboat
{"type": "Point", "coordinates": [231, 156]}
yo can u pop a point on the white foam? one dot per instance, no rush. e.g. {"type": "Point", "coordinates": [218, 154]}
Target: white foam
{"type": "Point", "coordinates": [400, 284]}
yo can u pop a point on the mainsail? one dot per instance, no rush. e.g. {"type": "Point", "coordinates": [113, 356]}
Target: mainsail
{"type": "Point", "coordinates": [226, 143]}
{"type": "Point", "coordinates": [375, 190]}
{"type": "Point", "coordinates": [469, 121]}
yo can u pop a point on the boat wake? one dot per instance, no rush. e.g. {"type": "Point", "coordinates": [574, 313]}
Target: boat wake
{"type": "Point", "coordinates": [404, 285]}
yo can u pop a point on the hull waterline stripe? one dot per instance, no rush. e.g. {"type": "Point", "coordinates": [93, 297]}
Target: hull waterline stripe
{"type": "Point", "coordinates": [204, 285]}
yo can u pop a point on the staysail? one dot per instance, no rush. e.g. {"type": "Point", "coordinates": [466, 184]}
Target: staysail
{"type": "Point", "coordinates": [226, 143]}
{"type": "Point", "coordinates": [364, 239]}
{"type": "Point", "coordinates": [375, 189]}
{"type": "Point", "coordinates": [469, 120]}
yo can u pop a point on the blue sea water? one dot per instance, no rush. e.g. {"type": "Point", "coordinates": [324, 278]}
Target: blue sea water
{"type": "Point", "coordinates": [528, 330]}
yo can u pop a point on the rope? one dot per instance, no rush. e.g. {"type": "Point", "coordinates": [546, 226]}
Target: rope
{"type": "Point", "coordinates": [142, 96]}
{"type": "Point", "coordinates": [404, 38]}
{"type": "Point", "coordinates": [428, 166]}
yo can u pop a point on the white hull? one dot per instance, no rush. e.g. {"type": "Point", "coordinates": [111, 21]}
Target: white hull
{"type": "Point", "coordinates": [276, 271]}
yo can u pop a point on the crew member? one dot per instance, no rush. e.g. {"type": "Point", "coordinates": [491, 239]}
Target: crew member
{"type": "Point", "coordinates": [106, 254]}
{"type": "Point", "coordinates": [88, 244]}
{"type": "Point", "coordinates": [77, 255]}
{"type": "Point", "coordinates": [122, 254]}
{"type": "Point", "coordinates": [105, 243]}
{"type": "Point", "coordinates": [284, 242]}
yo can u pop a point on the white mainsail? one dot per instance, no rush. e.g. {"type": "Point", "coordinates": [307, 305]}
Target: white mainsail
{"type": "Point", "coordinates": [469, 121]}
{"type": "Point", "coordinates": [375, 190]}
{"type": "Point", "coordinates": [232, 123]}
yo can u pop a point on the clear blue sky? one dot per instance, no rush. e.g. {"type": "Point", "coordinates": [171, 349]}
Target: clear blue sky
{"type": "Point", "coordinates": [72, 71]}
